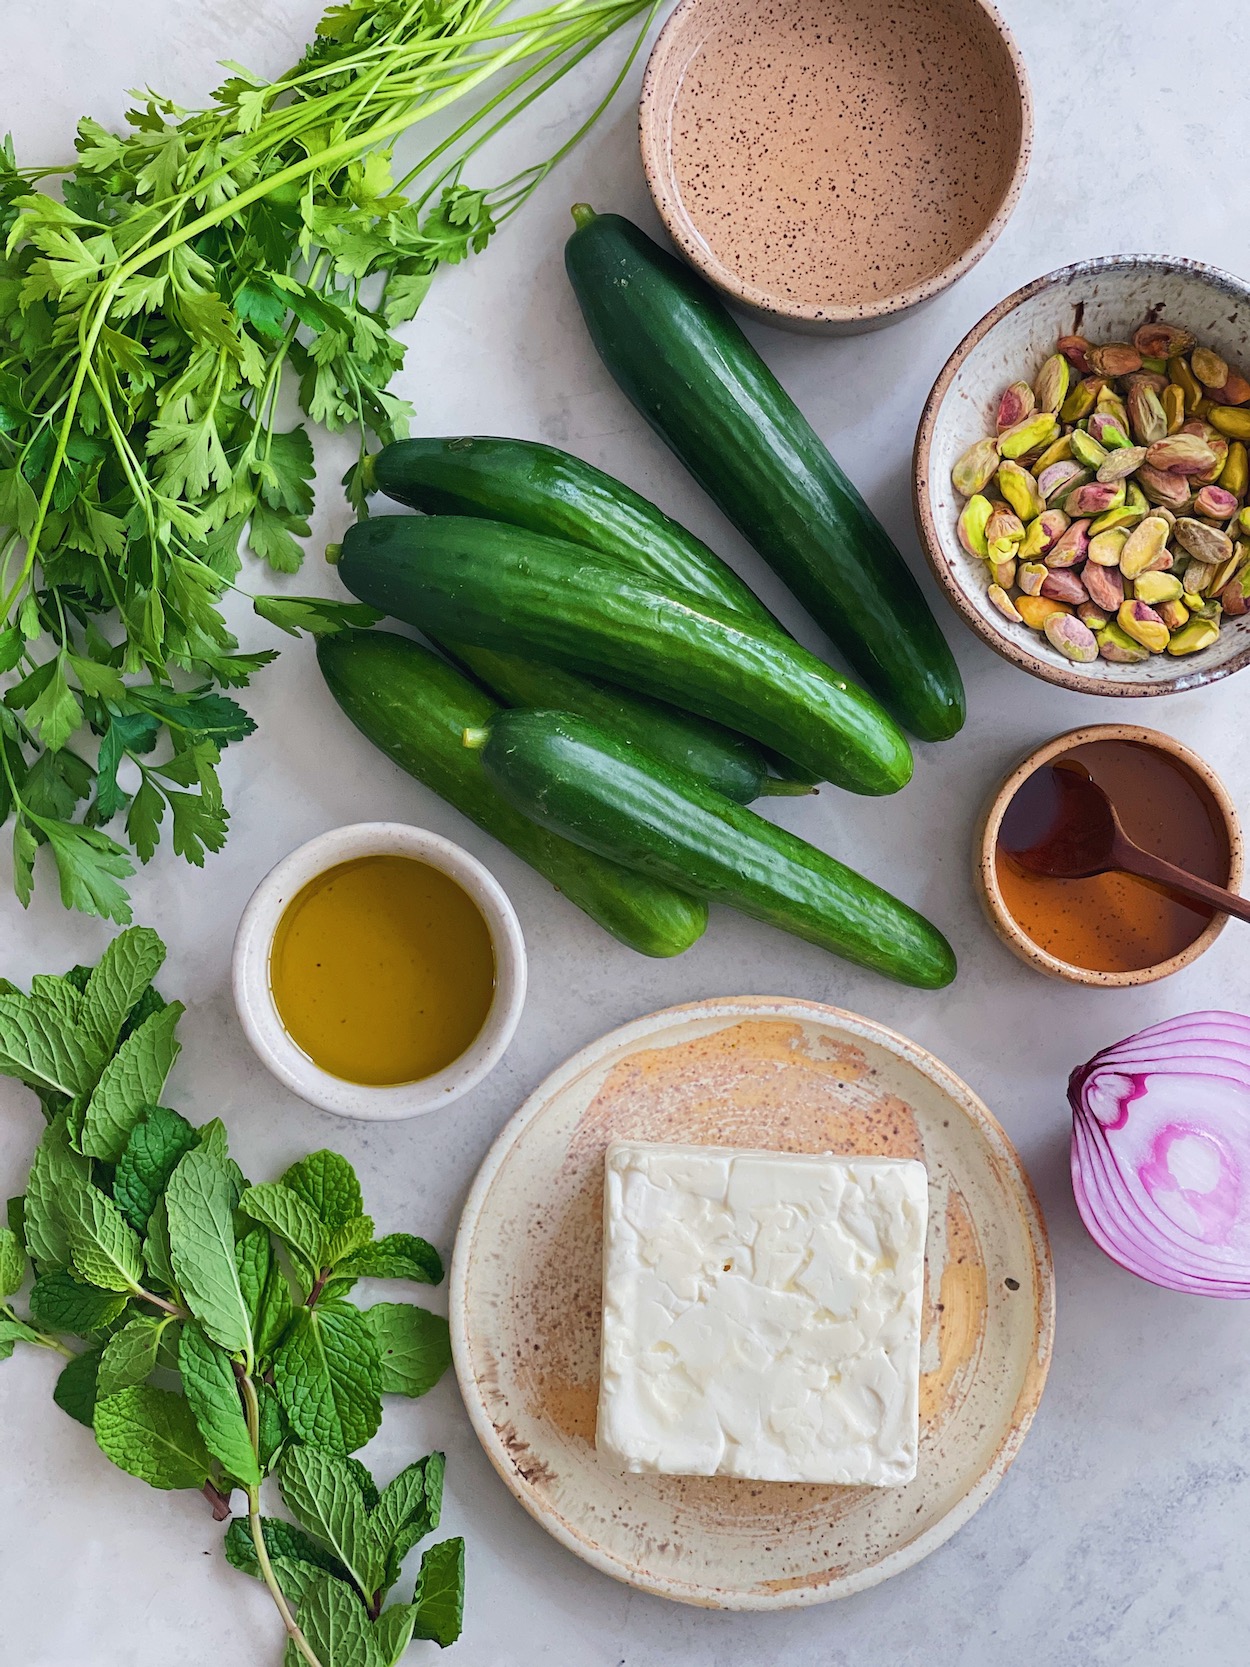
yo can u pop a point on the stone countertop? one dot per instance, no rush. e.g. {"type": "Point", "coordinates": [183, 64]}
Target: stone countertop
{"type": "Point", "coordinates": [1121, 1536]}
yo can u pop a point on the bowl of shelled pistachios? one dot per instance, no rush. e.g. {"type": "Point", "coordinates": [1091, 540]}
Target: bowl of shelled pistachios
{"type": "Point", "coordinates": [1082, 487]}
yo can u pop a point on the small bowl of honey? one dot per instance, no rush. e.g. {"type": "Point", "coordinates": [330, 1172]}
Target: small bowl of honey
{"type": "Point", "coordinates": [1112, 930]}
{"type": "Point", "coordinates": [379, 971]}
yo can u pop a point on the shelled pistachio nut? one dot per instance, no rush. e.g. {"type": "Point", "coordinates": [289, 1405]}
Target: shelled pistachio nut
{"type": "Point", "coordinates": [1110, 430]}
{"type": "Point", "coordinates": [1053, 380]}
{"type": "Point", "coordinates": [1209, 368]}
{"type": "Point", "coordinates": [1215, 504]}
{"type": "Point", "coordinates": [1002, 601]}
{"type": "Point", "coordinates": [1162, 341]}
{"type": "Point", "coordinates": [1019, 488]}
{"type": "Point", "coordinates": [1235, 475]}
{"type": "Point", "coordinates": [1235, 597]}
{"type": "Point", "coordinates": [1081, 400]}
{"type": "Point", "coordinates": [1086, 449]}
{"type": "Point", "coordinates": [1198, 634]}
{"type": "Point", "coordinates": [1041, 536]}
{"type": "Point", "coordinates": [1173, 400]}
{"type": "Point", "coordinates": [1063, 585]}
{"type": "Point", "coordinates": [1105, 586]}
{"type": "Point", "coordinates": [1036, 610]}
{"type": "Point", "coordinates": [1147, 419]}
{"type": "Point", "coordinates": [1118, 647]}
{"type": "Point", "coordinates": [1145, 547]}
{"type": "Point", "coordinates": [1114, 359]}
{"type": "Point", "coordinates": [1206, 543]}
{"type": "Point", "coordinates": [1139, 621]}
{"type": "Point", "coordinates": [1031, 576]}
{"type": "Point", "coordinates": [1058, 452]}
{"type": "Point", "coordinates": [976, 468]}
{"type": "Point", "coordinates": [1162, 487]}
{"type": "Point", "coordinates": [1032, 434]}
{"type": "Point", "coordinates": [1105, 549]}
{"type": "Point", "coordinates": [1233, 420]}
{"type": "Point", "coordinates": [1119, 465]}
{"type": "Point", "coordinates": [1060, 479]}
{"type": "Point", "coordinates": [1091, 615]}
{"type": "Point", "coordinates": [973, 520]}
{"type": "Point", "coordinates": [1073, 640]}
{"type": "Point", "coordinates": [1016, 404]}
{"type": "Point", "coordinates": [1174, 614]}
{"type": "Point", "coordinates": [1157, 587]}
{"type": "Point", "coordinates": [1181, 454]}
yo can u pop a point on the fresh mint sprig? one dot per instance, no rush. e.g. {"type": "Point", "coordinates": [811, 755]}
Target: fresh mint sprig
{"type": "Point", "coordinates": [196, 273]}
{"type": "Point", "coordinates": [206, 1327]}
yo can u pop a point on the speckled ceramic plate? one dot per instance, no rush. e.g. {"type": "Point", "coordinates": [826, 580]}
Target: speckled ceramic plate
{"type": "Point", "coordinates": [525, 1294]}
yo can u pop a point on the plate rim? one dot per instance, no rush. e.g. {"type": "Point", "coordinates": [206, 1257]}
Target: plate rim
{"type": "Point", "coordinates": [652, 1026]}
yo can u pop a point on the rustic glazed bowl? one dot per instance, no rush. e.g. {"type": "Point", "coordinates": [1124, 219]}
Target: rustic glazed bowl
{"type": "Point", "coordinates": [258, 1011]}
{"type": "Point", "coordinates": [923, 126]}
{"type": "Point", "coordinates": [986, 866]}
{"type": "Point", "coordinates": [1105, 300]}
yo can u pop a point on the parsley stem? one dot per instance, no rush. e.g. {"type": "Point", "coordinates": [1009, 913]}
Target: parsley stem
{"type": "Point", "coordinates": [252, 1410]}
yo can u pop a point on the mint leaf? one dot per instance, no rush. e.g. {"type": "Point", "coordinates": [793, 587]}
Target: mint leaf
{"type": "Point", "coordinates": [272, 1431]}
{"type": "Point", "coordinates": [351, 1237]}
{"type": "Point", "coordinates": [156, 1257]}
{"type": "Point", "coordinates": [55, 1171]}
{"type": "Point", "coordinates": [131, 1082]}
{"type": "Point", "coordinates": [320, 1491]}
{"type": "Point", "coordinates": [130, 1355]}
{"type": "Point", "coordinates": [12, 1262]}
{"type": "Point", "coordinates": [392, 1631]}
{"type": "Point", "coordinates": [124, 971]}
{"type": "Point", "coordinates": [336, 1626]}
{"type": "Point", "coordinates": [200, 1203]}
{"type": "Point", "coordinates": [285, 1213]}
{"type": "Point", "coordinates": [397, 1256]}
{"type": "Point", "coordinates": [75, 1391]}
{"type": "Point", "coordinates": [59, 1303]}
{"type": "Point", "coordinates": [253, 1258]}
{"type": "Point", "coordinates": [439, 1598]}
{"type": "Point", "coordinates": [40, 1050]}
{"type": "Point", "coordinates": [104, 1247]}
{"type": "Point", "coordinates": [328, 1185]}
{"type": "Point", "coordinates": [414, 1347]}
{"type": "Point", "coordinates": [212, 1393]}
{"type": "Point", "coordinates": [297, 1560]}
{"type": "Point", "coordinates": [326, 1374]}
{"type": "Point", "coordinates": [150, 1433]}
{"type": "Point", "coordinates": [408, 1510]}
{"type": "Point", "coordinates": [276, 1309]}
{"type": "Point", "coordinates": [152, 1152]}
{"type": "Point", "coordinates": [15, 1331]}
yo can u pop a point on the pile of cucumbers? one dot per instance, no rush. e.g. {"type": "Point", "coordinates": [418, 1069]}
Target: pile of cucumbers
{"type": "Point", "coordinates": [608, 696]}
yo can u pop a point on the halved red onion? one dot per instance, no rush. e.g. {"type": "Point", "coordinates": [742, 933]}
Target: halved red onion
{"type": "Point", "coordinates": [1161, 1152]}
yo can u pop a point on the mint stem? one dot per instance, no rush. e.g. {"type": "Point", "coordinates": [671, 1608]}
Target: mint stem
{"type": "Point", "coordinates": [218, 1500]}
{"type": "Point", "coordinates": [252, 1409]}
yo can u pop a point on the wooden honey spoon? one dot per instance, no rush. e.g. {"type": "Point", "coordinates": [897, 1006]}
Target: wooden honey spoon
{"type": "Point", "coordinates": [1083, 836]}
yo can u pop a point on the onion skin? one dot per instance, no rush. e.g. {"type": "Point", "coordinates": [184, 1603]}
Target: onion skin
{"type": "Point", "coordinates": [1161, 1153]}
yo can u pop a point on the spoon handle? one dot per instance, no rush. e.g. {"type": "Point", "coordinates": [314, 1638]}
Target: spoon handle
{"type": "Point", "coordinates": [1149, 867]}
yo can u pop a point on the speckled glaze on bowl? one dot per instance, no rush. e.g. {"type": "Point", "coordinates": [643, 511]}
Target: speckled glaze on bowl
{"type": "Point", "coordinates": [986, 867]}
{"type": "Point", "coordinates": [526, 1287]}
{"type": "Point", "coordinates": [1105, 299]}
{"type": "Point", "coordinates": [887, 163]}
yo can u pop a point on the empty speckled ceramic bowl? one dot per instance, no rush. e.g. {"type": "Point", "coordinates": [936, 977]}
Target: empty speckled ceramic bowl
{"type": "Point", "coordinates": [1105, 300]}
{"type": "Point", "coordinates": [829, 163]}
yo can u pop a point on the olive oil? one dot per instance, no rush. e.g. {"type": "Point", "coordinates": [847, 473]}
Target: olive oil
{"type": "Point", "coordinates": [382, 970]}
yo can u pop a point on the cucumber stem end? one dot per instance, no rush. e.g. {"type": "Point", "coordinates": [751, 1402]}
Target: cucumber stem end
{"type": "Point", "coordinates": [583, 214]}
{"type": "Point", "coordinates": [475, 738]}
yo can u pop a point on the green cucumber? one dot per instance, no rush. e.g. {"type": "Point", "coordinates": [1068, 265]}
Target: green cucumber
{"type": "Point", "coordinates": [415, 707]}
{"type": "Point", "coordinates": [580, 782]}
{"type": "Point", "coordinates": [676, 352]}
{"type": "Point", "coordinates": [549, 491]}
{"type": "Point", "coordinates": [729, 763]}
{"type": "Point", "coordinates": [496, 586]}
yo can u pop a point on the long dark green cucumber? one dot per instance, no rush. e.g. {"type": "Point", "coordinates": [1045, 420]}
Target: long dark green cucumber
{"type": "Point", "coordinates": [415, 707]}
{"type": "Point", "coordinates": [549, 491]}
{"type": "Point", "coordinates": [730, 764]}
{"type": "Point", "coordinates": [677, 353]}
{"type": "Point", "coordinates": [500, 587]}
{"type": "Point", "coordinates": [580, 782]}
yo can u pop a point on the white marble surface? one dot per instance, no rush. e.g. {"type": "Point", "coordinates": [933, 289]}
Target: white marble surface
{"type": "Point", "coordinates": [1121, 1536]}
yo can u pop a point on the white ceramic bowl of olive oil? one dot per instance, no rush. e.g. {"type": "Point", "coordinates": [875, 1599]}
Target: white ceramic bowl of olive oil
{"type": "Point", "coordinates": [379, 971]}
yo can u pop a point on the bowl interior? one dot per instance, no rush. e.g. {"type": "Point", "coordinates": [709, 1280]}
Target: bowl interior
{"type": "Point", "coordinates": [804, 156]}
{"type": "Point", "coordinates": [1105, 301]}
{"type": "Point", "coordinates": [1206, 784]}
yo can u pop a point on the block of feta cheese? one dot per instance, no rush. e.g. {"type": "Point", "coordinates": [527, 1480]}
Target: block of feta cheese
{"type": "Point", "coordinates": [761, 1314]}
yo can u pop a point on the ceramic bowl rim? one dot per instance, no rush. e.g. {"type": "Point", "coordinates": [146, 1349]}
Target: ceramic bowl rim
{"type": "Point", "coordinates": [933, 542]}
{"type": "Point", "coordinates": [1004, 922]}
{"type": "Point", "coordinates": [652, 116]}
{"type": "Point", "coordinates": [258, 1013]}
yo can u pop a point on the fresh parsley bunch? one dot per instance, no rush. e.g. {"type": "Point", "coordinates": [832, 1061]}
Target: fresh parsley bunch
{"type": "Point", "coordinates": [150, 319]}
{"type": "Point", "coordinates": [216, 1341]}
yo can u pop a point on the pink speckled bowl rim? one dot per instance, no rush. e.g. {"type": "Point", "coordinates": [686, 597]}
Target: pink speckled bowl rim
{"type": "Point", "coordinates": [647, 1032]}
{"type": "Point", "coordinates": [985, 856]}
{"type": "Point", "coordinates": [653, 113]}
{"type": "Point", "coordinates": [931, 539]}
